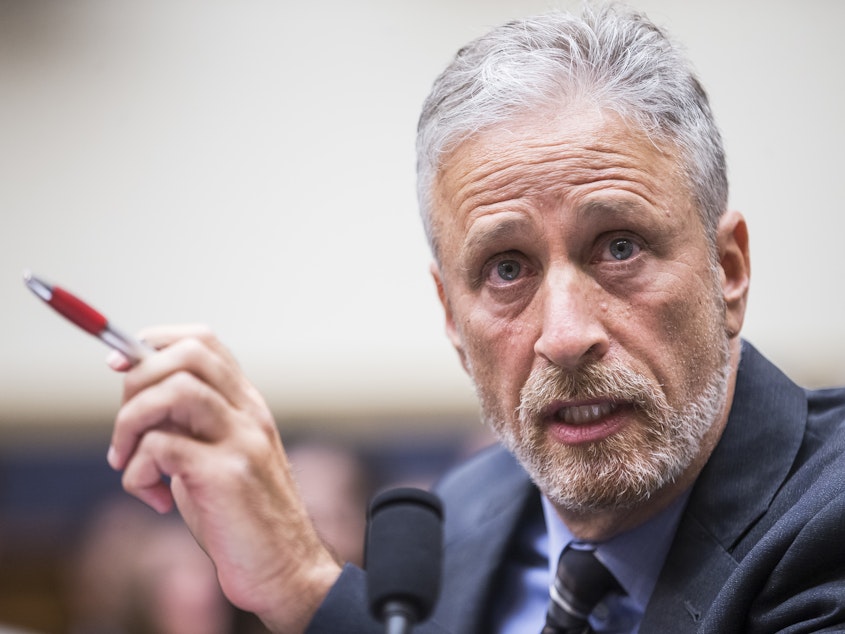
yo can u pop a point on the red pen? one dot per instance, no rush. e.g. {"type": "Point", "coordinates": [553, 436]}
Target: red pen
{"type": "Point", "coordinates": [91, 321]}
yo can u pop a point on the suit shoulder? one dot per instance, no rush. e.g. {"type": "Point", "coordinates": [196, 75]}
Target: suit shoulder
{"type": "Point", "coordinates": [823, 446]}
{"type": "Point", "coordinates": [481, 488]}
{"type": "Point", "coordinates": [826, 412]}
{"type": "Point", "coordinates": [493, 464]}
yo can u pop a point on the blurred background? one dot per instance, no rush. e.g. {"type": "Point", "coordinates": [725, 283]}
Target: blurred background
{"type": "Point", "coordinates": [250, 165]}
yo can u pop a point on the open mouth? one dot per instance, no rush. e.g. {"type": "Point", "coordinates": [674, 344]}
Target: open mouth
{"type": "Point", "coordinates": [587, 422]}
{"type": "Point", "coordinates": [581, 413]}
{"type": "Point", "coordinates": [584, 414]}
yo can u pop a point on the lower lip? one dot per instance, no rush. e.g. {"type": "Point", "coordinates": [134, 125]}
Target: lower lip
{"type": "Point", "coordinates": [589, 432]}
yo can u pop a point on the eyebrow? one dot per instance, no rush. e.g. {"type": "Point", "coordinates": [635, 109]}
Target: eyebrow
{"type": "Point", "coordinates": [610, 207]}
{"type": "Point", "coordinates": [478, 240]}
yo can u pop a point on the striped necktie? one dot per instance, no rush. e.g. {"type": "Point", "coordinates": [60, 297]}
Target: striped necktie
{"type": "Point", "coordinates": [581, 582]}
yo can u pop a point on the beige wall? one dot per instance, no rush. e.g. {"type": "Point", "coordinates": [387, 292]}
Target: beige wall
{"type": "Point", "coordinates": [250, 164]}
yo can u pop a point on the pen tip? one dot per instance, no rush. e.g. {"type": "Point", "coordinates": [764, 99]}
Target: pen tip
{"type": "Point", "coordinates": [37, 286]}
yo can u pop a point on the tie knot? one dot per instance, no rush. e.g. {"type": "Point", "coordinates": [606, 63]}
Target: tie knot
{"type": "Point", "coordinates": [581, 582]}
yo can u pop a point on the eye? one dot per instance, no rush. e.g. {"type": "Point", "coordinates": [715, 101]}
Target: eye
{"type": "Point", "coordinates": [622, 248]}
{"type": "Point", "coordinates": [508, 270]}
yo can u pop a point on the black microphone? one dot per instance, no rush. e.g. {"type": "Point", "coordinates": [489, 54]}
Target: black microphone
{"type": "Point", "coordinates": [403, 557]}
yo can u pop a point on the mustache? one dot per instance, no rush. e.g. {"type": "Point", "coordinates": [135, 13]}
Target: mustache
{"type": "Point", "coordinates": [609, 380]}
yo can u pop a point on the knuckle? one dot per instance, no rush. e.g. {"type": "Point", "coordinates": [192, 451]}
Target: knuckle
{"type": "Point", "coordinates": [131, 479]}
{"type": "Point", "coordinates": [188, 396]}
{"type": "Point", "coordinates": [266, 424]}
{"type": "Point", "coordinates": [182, 383]}
{"type": "Point", "coordinates": [258, 411]}
{"type": "Point", "coordinates": [192, 350]}
{"type": "Point", "coordinates": [122, 419]}
{"type": "Point", "coordinates": [264, 445]}
{"type": "Point", "coordinates": [204, 333]}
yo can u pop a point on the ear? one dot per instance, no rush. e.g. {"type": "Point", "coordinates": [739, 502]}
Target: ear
{"type": "Point", "coordinates": [735, 262]}
{"type": "Point", "coordinates": [451, 330]}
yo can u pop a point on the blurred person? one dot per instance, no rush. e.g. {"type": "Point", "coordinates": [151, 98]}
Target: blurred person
{"type": "Point", "coordinates": [103, 567]}
{"type": "Point", "coordinates": [176, 589]}
{"type": "Point", "coordinates": [573, 187]}
{"type": "Point", "coordinates": [335, 487]}
{"type": "Point", "coordinates": [137, 573]}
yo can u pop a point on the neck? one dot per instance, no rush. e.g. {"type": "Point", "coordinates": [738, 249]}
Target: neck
{"type": "Point", "coordinates": [603, 524]}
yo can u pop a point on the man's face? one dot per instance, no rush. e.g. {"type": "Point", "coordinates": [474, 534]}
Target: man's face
{"type": "Point", "coordinates": [581, 294]}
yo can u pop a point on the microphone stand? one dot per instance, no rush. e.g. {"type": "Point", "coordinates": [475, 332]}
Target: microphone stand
{"type": "Point", "coordinates": [397, 618]}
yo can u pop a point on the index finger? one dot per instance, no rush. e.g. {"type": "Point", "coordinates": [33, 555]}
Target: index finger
{"type": "Point", "coordinates": [165, 335]}
{"type": "Point", "coordinates": [192, 349]}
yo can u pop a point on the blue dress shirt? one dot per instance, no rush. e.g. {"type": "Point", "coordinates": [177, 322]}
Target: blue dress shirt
{"type": "Point", "coordinates": [635, 558]}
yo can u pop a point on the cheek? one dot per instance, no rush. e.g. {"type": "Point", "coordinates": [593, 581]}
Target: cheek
{"type": "Point", "coordinates": [688, 328]}
{"type": "Point", "coordinates": [500, 353]}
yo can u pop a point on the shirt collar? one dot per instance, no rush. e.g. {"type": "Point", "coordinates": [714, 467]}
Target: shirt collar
{"type": "Point", "coordinates": [635, 557]}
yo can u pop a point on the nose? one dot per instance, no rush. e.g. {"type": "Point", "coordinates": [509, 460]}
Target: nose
{"type": "Point", "coordinates": [573, 332]}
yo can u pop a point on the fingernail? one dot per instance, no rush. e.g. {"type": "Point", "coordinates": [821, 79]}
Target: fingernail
{"type": "Point", "coordinates": [115, 360]}
{"type": "Point", "coordinates": [111, 457]}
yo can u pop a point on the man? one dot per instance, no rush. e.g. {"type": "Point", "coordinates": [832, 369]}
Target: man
{"type": "Point", "coordinates": [572, 183]}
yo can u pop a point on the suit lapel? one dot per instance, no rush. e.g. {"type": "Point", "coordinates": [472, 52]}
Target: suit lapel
{"type": "Point", "coordinates": [477, 540]}
{"type": "Point", "coordinates": [735, 489]}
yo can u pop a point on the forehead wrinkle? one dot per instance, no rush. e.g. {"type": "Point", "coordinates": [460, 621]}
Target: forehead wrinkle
{"type": "Point", "coordinates": [524, 174]}
{"type": "Point", "coordinates": [532, 166]}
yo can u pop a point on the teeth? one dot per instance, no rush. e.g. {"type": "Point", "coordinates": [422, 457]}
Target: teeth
{"type": "Point", "coordinates": [581, 414]}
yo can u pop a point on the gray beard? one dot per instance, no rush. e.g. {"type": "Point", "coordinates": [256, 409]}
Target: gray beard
{"type": "Point", "coordinates": [627, 468]}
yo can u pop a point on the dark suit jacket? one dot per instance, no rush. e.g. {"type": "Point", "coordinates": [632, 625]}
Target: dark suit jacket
{"type": "Point", "coordinates": [760, 546]}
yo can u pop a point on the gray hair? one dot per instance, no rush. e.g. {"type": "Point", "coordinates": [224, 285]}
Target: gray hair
{"type": "Point", "coordinates": [613, 57]}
